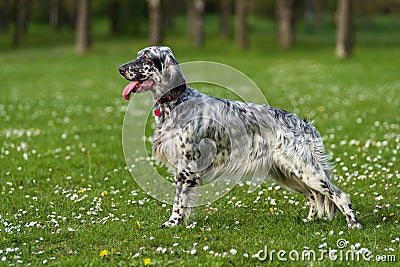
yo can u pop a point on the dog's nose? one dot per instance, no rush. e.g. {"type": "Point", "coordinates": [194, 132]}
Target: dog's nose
{"type": "Point", "coordinates": [122, 69]}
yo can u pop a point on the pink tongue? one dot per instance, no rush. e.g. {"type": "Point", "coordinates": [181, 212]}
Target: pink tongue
{"type": "Point", "coordinates": [128, 89]}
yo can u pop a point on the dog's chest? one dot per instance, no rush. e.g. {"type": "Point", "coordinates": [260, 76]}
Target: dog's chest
{"type": "Point", "coordinates": [161, 112]}
{"type": "Point", "coordinates": [165, 139]}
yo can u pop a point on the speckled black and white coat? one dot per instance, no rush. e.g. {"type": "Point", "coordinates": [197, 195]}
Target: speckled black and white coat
{"type": "Point", "coordinates": [201, 137]}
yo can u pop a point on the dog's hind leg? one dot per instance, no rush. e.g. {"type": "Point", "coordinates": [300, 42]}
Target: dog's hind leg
{"type": "Point", "coordinates": [292, 179]}
{"type": "Point", "coordinates": [185, 195]}
{"type": "Point", "coordinates": [314, 183]}
{"type": "Point", "coordinates": [328, 196]}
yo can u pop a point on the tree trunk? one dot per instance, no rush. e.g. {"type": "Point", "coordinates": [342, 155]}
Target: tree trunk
{"type": "Point", "coordinates": [241, 23]}
{"type": "Point", "coordinates": [285, 9]}
{"type": "Point", "coordinates": [317, 9]}
{"type": "Point", "coordinates": [4, 15]}
{"type": "Point", "coordinates": [196, 21]}
{"type": "Point", "coordinates": [344, 31]}
{"type": "Point", "coordinates": [54, 14]}
{"type": "Point", "coordinates": [313, 14]}
{"type": "Point", "coordinates": [171, 10]}
{"type": "Point", "coordinates": [17, 26]}
{"type": "Point", "coordinates": [73, 18]}
{"type": "Point", "coordinates": [21, 21]}
{"type": "Point", "coordinates": [83, 26]}
{"type": "Point", "coordinates": [155, 21]}
{"type": "Point", "coordinates": [190, 18]}
{"type": "Point", "coordinates": [25, 7]}
{"type": "Point", "coordinates": [113, 14]}
{"type": "Point", "coordinates": [226, 18]}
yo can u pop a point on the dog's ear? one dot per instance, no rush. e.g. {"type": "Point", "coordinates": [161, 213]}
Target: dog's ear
{"type": "Point", "coordinates": [158, 64]}
{"type": "Point", "coordinates": [169, 63]}
{"type": "Point", "coordinates": [171, 70]}
{"type": "Point", "coordinates": [168, 58]}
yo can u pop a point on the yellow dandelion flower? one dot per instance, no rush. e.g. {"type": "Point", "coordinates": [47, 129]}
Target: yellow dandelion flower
{"type": "Point", "coordinates": [391, 214]}
{"type": "Point", "coordinates": [271, 210]}
{"type": "Point", "coordinates": [146, 261]}
{"type": "Point", "coordinates": [81, 191]}
{"type": "Point", "coordinates": [104, 193]}
{"type": "Point", "coordinates": [103, 253]}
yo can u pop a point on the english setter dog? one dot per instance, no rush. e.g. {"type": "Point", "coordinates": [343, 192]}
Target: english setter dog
{"type": "Point", "coordinates": [246, 139]}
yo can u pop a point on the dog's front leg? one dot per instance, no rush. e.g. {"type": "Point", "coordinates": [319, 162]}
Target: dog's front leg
{"type": "Point", "coordinates": [185, 195]}
{"type": "Point", "coordinates": [176, 215]}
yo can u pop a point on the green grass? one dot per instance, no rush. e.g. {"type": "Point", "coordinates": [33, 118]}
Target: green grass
{"type": "Point", "coordinates": [66, 194]}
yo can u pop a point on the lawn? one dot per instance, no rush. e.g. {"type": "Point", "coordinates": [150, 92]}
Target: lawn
{"type": "Point", "coordinates": [67, 197]}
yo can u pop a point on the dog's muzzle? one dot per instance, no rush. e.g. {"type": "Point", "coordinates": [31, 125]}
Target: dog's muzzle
{"type": "Point", "coordinates": [123, 69]}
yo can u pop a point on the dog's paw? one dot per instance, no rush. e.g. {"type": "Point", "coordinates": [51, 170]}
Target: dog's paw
{"type": "Point", "coordinates": [168, 224]}
{"type": "Point", "coordinates": [355, 225]}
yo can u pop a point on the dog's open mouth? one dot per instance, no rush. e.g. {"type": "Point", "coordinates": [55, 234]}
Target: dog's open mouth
{"type": "Point", "coordinates": [136, 86]}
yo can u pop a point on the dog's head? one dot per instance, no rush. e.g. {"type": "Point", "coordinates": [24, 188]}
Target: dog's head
{"type": "Point", "coordinates": [155, 69]}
